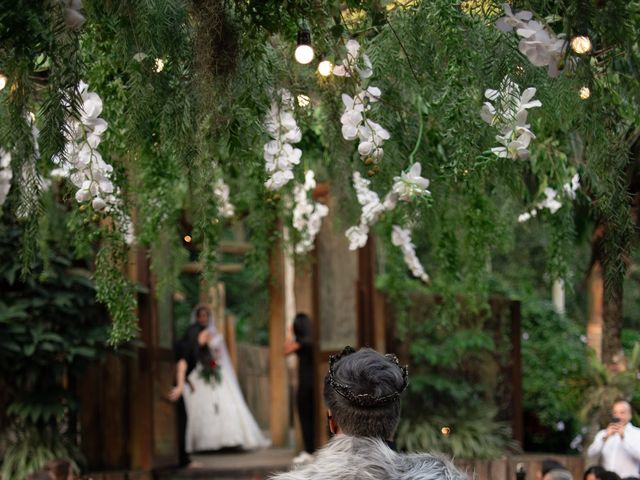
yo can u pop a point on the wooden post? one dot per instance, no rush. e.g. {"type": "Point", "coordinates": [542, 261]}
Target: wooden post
{"type": "Point", "coordinates": [557, 296]}
{"type": "Point", "coordinates": [517, 421]}
{"type": "Point", "coordinates": [142, 372]}
{"type": "Point", "coordinates": [230, 336]}
{"type": "Point", "coordinates": [279, 399]}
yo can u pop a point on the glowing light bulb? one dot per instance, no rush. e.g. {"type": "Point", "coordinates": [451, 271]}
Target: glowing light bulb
{"type": "Point", "coordinates": [303, 100]}
{"type": "Point", "coordinates": [325, 68]}
{"type": "Point", "coordinates": [159, 65]}
{"type": "Point", "coordinates": [585, 93]}
{"type": "Point", "coordinates": [304, 52]}
{"type": "Point", "coordinates": [3, 81]}
{"type": "Point", "coordinates": [581, 44]}
{"type": "Point", "coordinates": [187, 238]}
{"type": "Point", "coordinates": [445, 431]}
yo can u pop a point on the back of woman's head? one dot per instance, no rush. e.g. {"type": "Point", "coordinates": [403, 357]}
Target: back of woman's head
{"type": "Point", "coordinates": [302, 327]}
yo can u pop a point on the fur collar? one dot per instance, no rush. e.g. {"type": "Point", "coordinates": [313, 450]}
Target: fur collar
{"type": "Point", "coordinates": [347, 458]}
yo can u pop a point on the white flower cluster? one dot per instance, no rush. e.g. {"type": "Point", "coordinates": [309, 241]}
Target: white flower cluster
{"type": "Point", "coordinates": [550, 201]}
{"type": "Point", "coordinates": [508, 114]}
{"type": "Point", "coordinates": [350, 64]}
{"type": "Point", "coordinates": [307, 214]}
{"type": "Point", "coordinates": [72, 16]}
{"type": "Point", "coordinates": [221, 192]}
{"type": "Point", "coordinates": [84, 166]}
{"type": "Point", "coordinates": [401, 238]}
{"type": "Point", "coordinates": [355, 122]}
{"type": "Point", "coordinates": [540, 45]}
{"type": "Point", "coordinates": [405, 188]}
{"type": "Point", "coordinates": [279, 154]}
{"type": "Point", "coordinates": [82, 162]}
{"type": "Point", "coordinates": [5, 175]}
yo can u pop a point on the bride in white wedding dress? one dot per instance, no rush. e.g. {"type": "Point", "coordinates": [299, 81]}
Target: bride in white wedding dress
{"type": "Point", "coordinates": [217, 414]}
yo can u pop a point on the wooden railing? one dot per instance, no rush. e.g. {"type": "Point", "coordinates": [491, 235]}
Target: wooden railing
{"type": "Point", "coordinates": [505, 468]}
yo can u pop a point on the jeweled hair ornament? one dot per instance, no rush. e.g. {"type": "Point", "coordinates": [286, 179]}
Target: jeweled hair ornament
{"type": "Point", "coordinates": [365, 400]}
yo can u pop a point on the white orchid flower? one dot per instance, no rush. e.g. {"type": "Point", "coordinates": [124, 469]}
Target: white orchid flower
{"type": "Point", "coordinates": [6, 174]}
{"type": "Point", "coordinates": [541, 46]}
{"type": "Point", "coordinates": [83, 195]}
{"type": "Point", "coordinates": [72, 16]}
{"type": "Point", "coordinates": [98, 204]}
{"type": "Point", "coordinates": [550, 202]}
{"type": "Point", "coordinates": [91, 106]}
{"type": "Point", "coordinates": [511, 21]}
{"type": "Point", "coordinates": [367, 71]}
{"type": "Point", "coordinates": [411, 184]}
{"type": "Point", "coordinates": [572, 186]}
{"type": "Point", "coordinates": [373, 94]}
{"type": "Point", "coordinates": [401, 238]}
{"type": "Point", "coordinates": [358, 236]}
{"type": "Point", "coordinates": [307, 214]}
{"type": "Point", "coordinates": [524, 217]}
{"type": "Point", "coordinates": [488, 113]}
{"type": "Point", "coordinates": [526, 99]}
{"type": "Point", "coordinates": [390, 201]}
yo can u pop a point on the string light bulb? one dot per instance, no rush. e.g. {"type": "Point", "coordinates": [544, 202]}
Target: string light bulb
{"type": "Point", "coordinates": [187, 238]}
{"type": "Point", "coordinates": [304, 52]}
{"type": "Point", "coordinates": [585, 93]}
{"type": "Point", "coordinates": [581, 44]}
{"type": "Point", "coordinates": [159, 65]}
{"type": "Point", "coordinates": [3, 81]}
{"type": "Point", "coordinates": [445, 431]}
{"type": "Point", "coordinates": [325, 67]}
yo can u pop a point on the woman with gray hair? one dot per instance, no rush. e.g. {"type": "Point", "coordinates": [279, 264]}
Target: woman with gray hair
{"type": "Point", "coordinates": [362, 394]}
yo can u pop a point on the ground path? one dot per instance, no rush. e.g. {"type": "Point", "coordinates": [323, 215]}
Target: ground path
{"type": "Point", "coordinates": [233, 465]}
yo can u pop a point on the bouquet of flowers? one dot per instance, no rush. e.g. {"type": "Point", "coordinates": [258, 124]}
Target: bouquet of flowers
{"type": "Point", "coordinates": [211, 371]}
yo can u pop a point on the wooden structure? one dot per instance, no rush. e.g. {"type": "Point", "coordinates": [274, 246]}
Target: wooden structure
{"type": "Point", "coordinates": [337, 291]}
{"type": "Point", "coordinates": [126, 421]}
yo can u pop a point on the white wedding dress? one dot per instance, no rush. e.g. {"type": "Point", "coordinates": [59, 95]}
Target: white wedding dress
{"type": "Point", "coordinates": [217, 414]}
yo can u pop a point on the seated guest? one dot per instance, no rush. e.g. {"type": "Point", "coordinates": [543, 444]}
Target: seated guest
{"type": "Point", "coordinates": [548, 464]}
{"type": "Point", "coordinates": [362, 395]}
{"type": "Point", "coordinates": [593, 472]}
{"type": "Point", "coordinates": [608, 475]}
{"type": "Point", "coordinates": [558, 474]}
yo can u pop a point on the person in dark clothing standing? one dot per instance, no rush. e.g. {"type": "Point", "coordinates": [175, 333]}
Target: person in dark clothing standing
{"type": "Point", "coordinates": [188, 350]}
{"type": "Point", "coordinates": [302, 346]}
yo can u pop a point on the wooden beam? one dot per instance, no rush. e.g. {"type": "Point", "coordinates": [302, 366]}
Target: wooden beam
{"type": "Point", "coordinates": [196, 267]}
{"type": "Point", "coordinates": [234, 247]}
{"type": "Point", "coordinates": [278, 397]}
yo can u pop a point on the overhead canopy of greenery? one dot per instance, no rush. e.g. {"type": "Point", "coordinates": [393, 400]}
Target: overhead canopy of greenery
{"type": "Point", "coordinates": [173, 131]}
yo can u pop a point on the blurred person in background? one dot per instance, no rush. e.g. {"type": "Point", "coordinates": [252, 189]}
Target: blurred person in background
{"type": "Point", "coordinates": [618, 445]}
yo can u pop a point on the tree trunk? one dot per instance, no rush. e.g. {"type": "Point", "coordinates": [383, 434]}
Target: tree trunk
{"type": "Point", "coordinates": [612, 319]}
{"type": "Point", "coordinates": [595, 290]}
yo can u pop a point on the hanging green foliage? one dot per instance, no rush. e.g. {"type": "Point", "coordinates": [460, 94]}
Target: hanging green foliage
{"type": "Point", "coordinates": [185, 87]}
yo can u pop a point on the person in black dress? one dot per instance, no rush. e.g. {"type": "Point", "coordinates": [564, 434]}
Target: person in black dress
{"type": "Point", "coordinates": [302, 346]}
